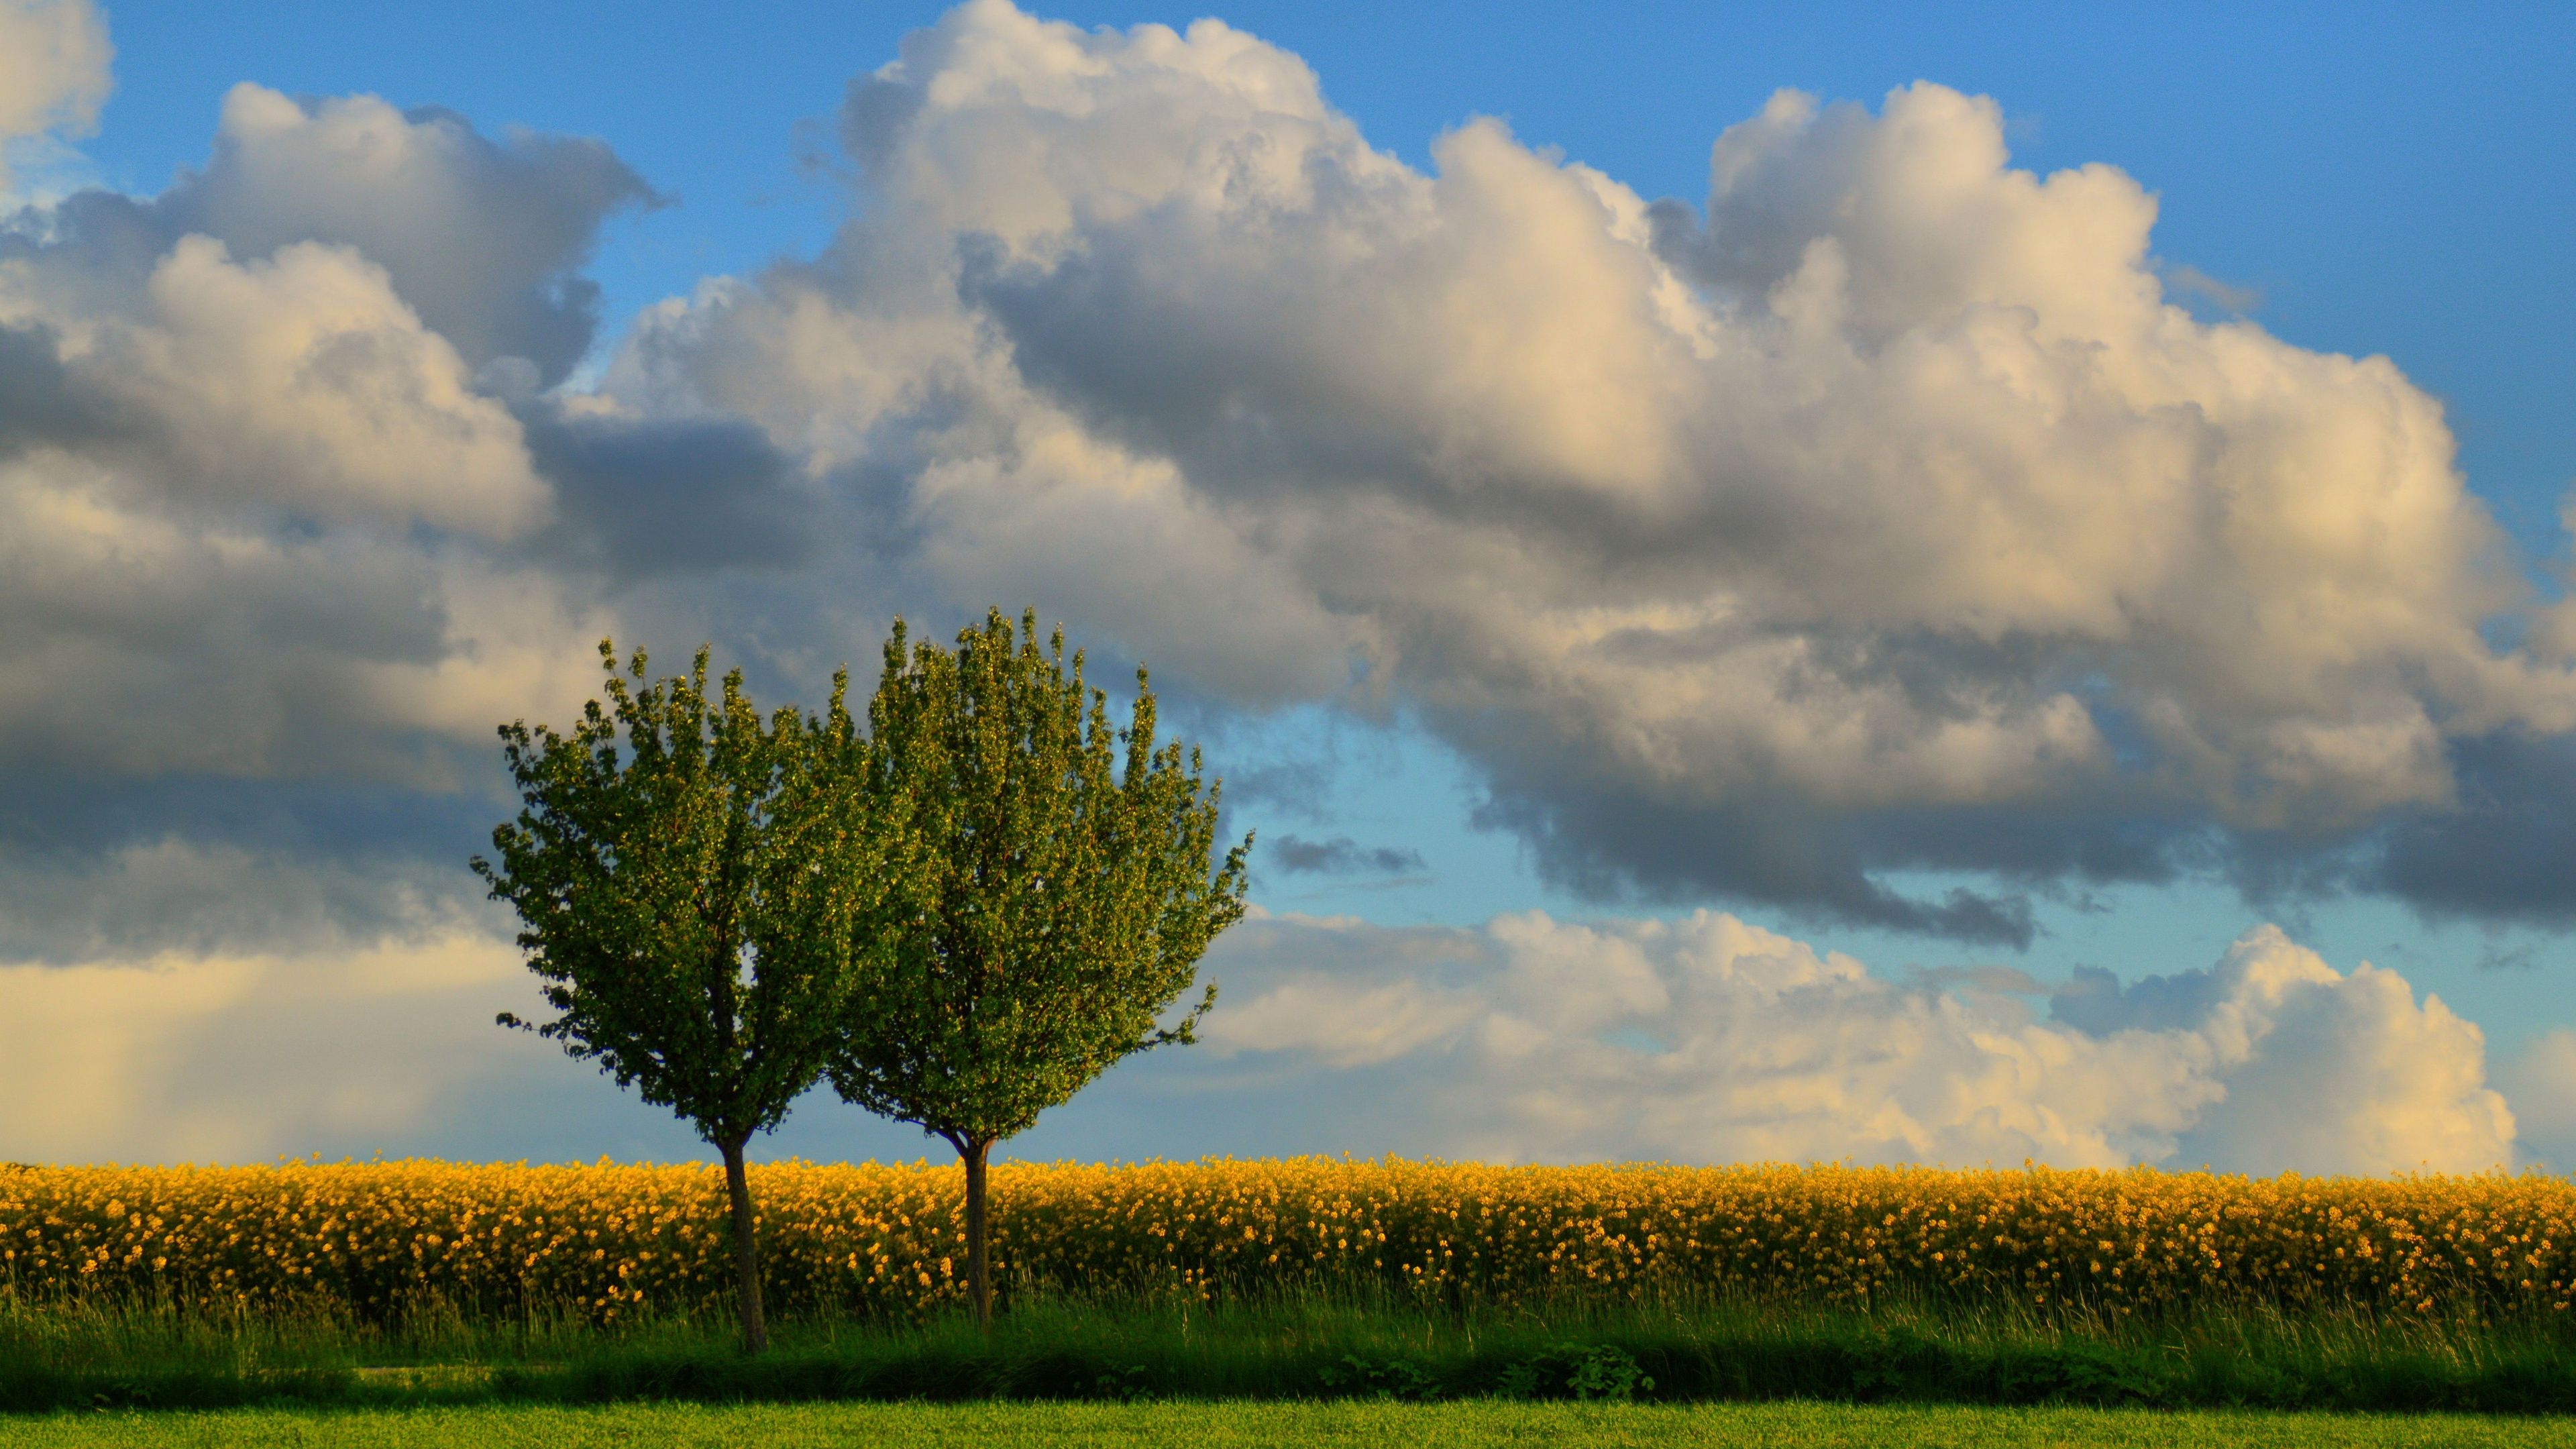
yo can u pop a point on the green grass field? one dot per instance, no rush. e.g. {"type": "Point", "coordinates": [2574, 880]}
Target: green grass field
{"type": "Point", "coordinates": [1004, 1426]}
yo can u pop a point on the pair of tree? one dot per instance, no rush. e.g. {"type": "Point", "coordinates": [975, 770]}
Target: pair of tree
{"type": "Point", "coordinates": [959, 916]}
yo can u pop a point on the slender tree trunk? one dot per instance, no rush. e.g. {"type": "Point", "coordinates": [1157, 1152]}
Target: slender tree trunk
{"type": "Point", "coordinates": [746, 1254]}
{"type": "Point", "coordinates": [979, 1264]}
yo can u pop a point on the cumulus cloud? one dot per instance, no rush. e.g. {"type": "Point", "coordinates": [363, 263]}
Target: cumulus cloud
{"type": "Point", "coordinates": [145, 636]}
{"type": "Point", "coordinates": [1883, 513]}
{"type": "Point", "coordinates": [54, 59]}
{"type": "Point", "coordinates": [1706, 1039]}
{"type": "Point", "coordinates": [483, 238]}
{"type": "Point", "coordinates": [265, 514]}
{"type": "Point", "coordinates": [287, 525]}
{"type": "Point", "coordinates": [302, 380]}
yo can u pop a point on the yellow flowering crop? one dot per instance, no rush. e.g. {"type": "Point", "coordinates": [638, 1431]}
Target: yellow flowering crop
{"type": "Point", "coordinates": [884, 1239]}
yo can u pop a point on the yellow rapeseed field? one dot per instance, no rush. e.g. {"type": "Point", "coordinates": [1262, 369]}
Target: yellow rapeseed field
{"type": "Point", "coordinates": [883, 1239]}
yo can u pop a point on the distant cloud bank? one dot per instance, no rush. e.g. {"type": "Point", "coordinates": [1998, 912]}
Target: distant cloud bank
{"type": "Point", "coordinates": [1526, 1039]}
{"type": "Point", "coordinates": [1709, 1040]}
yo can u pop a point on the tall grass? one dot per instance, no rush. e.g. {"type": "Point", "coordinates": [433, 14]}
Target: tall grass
{"type": "Point", "coordinates": [1353, 1341]}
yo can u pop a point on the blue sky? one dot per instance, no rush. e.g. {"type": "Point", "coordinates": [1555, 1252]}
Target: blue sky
{"type": "Point", "coordinates": [2387, 185]}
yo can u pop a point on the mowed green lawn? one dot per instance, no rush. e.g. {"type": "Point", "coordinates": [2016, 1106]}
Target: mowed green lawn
{"type": "Point", "coordinates": [1004, 1426]}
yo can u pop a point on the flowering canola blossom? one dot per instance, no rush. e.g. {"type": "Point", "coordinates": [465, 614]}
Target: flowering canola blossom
{"type": "Point", "coordinates": [885, 1239]}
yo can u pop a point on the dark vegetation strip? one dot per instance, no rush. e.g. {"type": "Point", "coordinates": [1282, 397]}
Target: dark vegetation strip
{"type": "Point", "coordinates": [1312, 1349]}
{"type": "Point", "coordinates": [1226, 1425]}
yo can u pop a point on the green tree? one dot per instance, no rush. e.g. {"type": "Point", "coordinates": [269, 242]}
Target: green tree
{"type": "Point", "coordinates": [694, 903]}
{"type": "Point", "coordinates": [1057, 906]}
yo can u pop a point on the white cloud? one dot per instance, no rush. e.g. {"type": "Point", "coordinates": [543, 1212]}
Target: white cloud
{"type": "Point", "coordinates": [1886, 517]}
{"type": "Point", "coordinates": [1894, 490]}
{"type": "Point", "coordinates": [302, 380]}
{"type": "Point", "coordinates": [261, 518]}
{"type": "Point", "coordinates": [54, 58]}
{"type": "Point", "coordinates": [483, 239]}
{"type": "Point", "coordinates": [1710, 1040]}
{"type": "Point", "coordinates": [146, 636]}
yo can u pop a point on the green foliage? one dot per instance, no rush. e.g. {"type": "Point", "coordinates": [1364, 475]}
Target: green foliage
{"type": "Point", "coordinates": [966, 914]}
{"type": "Point", "coordinates": [1132, 1384]}
{"type": "Point", "coordinates": [694, 901]}
{"type": "Point", "coordinates": [1394, 1378]}
{"type": "Point", "coordinates": [1600, 1373]}
{"type": "Point", "coordinates": [1058, 903]}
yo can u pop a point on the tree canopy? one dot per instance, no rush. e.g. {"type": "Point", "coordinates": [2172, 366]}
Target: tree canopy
{"type": "Point", "coordinates": [695, 902]}
{"type": "Point", "coordinates": [1057, 905]}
